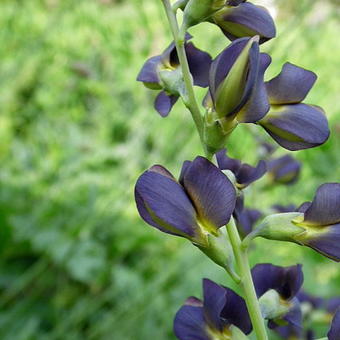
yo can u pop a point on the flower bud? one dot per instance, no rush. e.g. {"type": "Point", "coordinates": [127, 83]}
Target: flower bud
{"type": "Point", "coordinates": [280, 227]}
{"type": "Point", "coordinates": [197, 11]}
{"type": "Point", "coordinates": [245, 20]}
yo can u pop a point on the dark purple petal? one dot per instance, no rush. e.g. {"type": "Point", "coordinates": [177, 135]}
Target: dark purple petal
{"type": "Point", "coordinates": [161, 170]}
{"type": "Point", "coordinates": [212, 193]}
{"type": "Point", "coordinates": [163, 203]}
{"type": "Point", "coordinates": [199, 64]}
{"type": "Point", "coordinates": [164, 103]}
{"type": "Point", "coordinates": [325, 208]}
{"type": "Point", "coordinates": [296, 127]}
{"type": "Point", "coordinates": [294, 316]}
{"type": "Point", "coordinates": [291, 85]}
{"type": "Point", "coordinates": [213, 302]}
{"type": "Point", "coordinates": [245, 174]}
{"type": "Point", "coordinates": [148, 73]}
{"type": "Point", "coordinates": [226, 163]}
{"type": "Point", "coordinates": [257, 105]}
{"type": "Point", "coordinates": [185, 167]}
{"type": "Point", "coordinates": [326, 242]}
{"type": "Point", "coordinates": [334, 332]}
{"type": "Point", "coordinates": [235, 312]}
{"type": "Point", "coordinates": [284, 170]}
{"type": "Point", "coordinates": [304, 206]}
{"type": "Point", "coordinates": [246, 19]}
{"type": "Point", "coordinates": [248, 174]}
{"type": "Point", "coordinates": [189, 323]}
{"type": "Point", "coordinates": [246, 219]}
{"type": "Point", "coordinates": [193, 301]}
{"type": "Point", "coordinates": [169, 55]}
{"type": "Point", "coordinates": [286, 281]}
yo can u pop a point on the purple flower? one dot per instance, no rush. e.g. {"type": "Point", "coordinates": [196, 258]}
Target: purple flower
{"type": "Point", "coordinates": [276, 288]}
{"type": "Point", "coordinates": [221, 314]}
{"type": "Point", "coordinates": [162, 72]}
{"type": "Point", "coordinates": [236, 89]}
{"type": "Point", "coordinates": [321, 221]}
{"type": "Point", "coordinates": [289, 122]}
{"type": "Point", "coordinates": [245, 174]}
{"type": "Point", "coordinates": [284, 170]}
{"type": "Point", "coordinates": [243, 19]}
{"type": "Point", "coordinates": [198, 204]}
{"type": "Point", "coordinates": [315, 225]}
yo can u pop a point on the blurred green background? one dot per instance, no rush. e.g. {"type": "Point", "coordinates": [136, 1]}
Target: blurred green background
{"type": "Point", "coordinates": [76, 261]}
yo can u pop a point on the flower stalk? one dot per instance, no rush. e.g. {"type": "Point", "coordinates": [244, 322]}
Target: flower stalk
{"type": "Point", "coordinates": [247, 282]}
{"type": "Point", "coordinates": [190, 98]}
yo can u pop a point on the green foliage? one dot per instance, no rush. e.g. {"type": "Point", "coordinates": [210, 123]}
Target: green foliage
{"type": "Point", "coordinates": [76, 131]}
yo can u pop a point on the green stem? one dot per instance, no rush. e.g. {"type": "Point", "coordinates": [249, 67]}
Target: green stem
{"type": "Point", "coordinates": [190, 102]}
{"type": "Point", "coordinates": [247, 282]}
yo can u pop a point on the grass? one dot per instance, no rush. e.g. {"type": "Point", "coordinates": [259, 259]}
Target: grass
{"type": "Point", "coordinates": [77, 130]}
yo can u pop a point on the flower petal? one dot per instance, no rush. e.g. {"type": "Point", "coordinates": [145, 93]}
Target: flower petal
{"type": "Point", "coordinates": [284, 170]}
{"type": "Point", "coordinates": [235, 312]}
{"type": "Point", "coordinates": [286, 281]}
{"type": "Point", "coordinates": [226, 163]}
{"type": "Point", "coordinates": [199, 64]}
{"type": "Point", "coordinates": [246, 20]}
{"type": "Point", "coordinates": [163, 203]}
{"type": "Point", "coordinates": [296, 127]}
{"type": "Point", "coordinates": [258, 105]}
{"type": "Point", "coordinates": [291, 85]}
{"type": "Point", "coordinates": [213, 302]}
{"type": "Point", "coordinates": [325, 208]}
{"type": "Point", "coordinates": [325, 241]}
{"type": "Point", "coordinates": [248, 174]}
{"type": "Point", "coordinates": [334, 332]}
{"type": "Point", "coordinates": [212, 193]}
{"type": "Point", "coordinates": [164, 103]}
{"type": "Point", "coordinates": [189, 323]}
{"type": "Point", "coordinates": [148, 73]}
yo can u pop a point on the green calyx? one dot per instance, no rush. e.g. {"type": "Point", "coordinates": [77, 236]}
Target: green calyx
{"type": "Point", "coordinates": [280, 227]}
{"type": "Point", "coordinates": [273, 306]}
{"type": "Point", "coordinates": [197, 11]}
{"type": "Point", "coordinates": [218, 248]}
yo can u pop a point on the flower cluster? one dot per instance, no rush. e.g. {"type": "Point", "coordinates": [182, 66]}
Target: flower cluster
{"type": "Point", "coordinates": [206, 204]}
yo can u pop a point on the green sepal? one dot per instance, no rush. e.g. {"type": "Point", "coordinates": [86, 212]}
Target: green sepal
{"type": "Point", "coordinates": [218, 248]}
{"type": "Point", "coordinates": [172, 81]}
{"type": "Point", "coordinates": [214, 136]}
{"type": "Point", "coordinates": [272, 306]}
{"type": "Point", "coordinates": [280, 227]}
{"type": "Point", "coordinates": [237, 334]}
{"type": "Point", "coordinates": [197, 11]}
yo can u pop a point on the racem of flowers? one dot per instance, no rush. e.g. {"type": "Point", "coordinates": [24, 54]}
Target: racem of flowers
{"type": "Point", "coordinates": [207, 204]}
